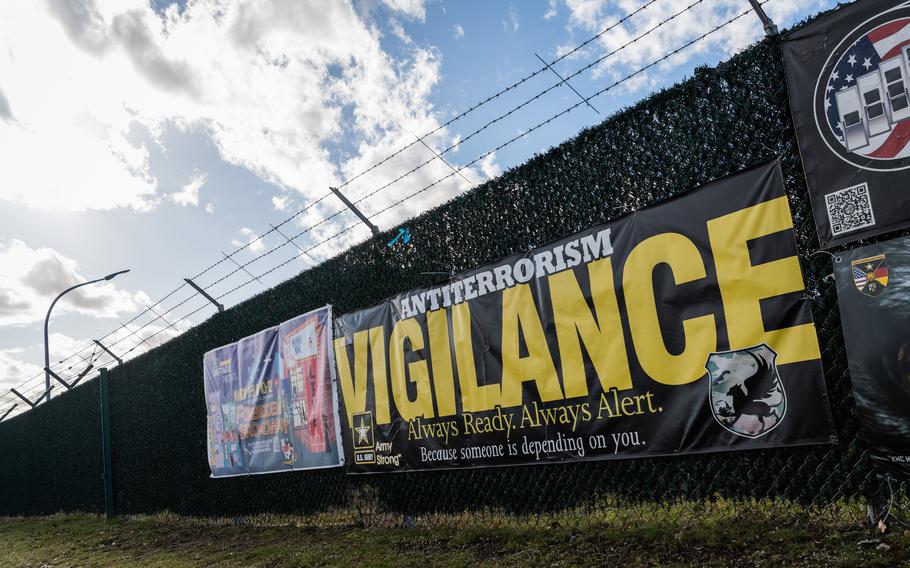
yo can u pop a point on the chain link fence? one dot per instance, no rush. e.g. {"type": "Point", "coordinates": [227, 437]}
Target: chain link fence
{"type": "Point", "coordinates": [721, 120]}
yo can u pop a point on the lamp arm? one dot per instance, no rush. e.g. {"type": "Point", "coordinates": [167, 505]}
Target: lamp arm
{"type": "Point", "coordinates": [61, 294]}
{"type": "Point", "coordinates": [47, 320]}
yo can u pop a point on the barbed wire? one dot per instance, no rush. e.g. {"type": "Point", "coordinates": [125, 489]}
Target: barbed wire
{"type": "Point", "coordinates": [442, 126]}
{"type": "Point", "coordinates": [242, 267]}
{"type": "Point", "coordinates": [480, 157]}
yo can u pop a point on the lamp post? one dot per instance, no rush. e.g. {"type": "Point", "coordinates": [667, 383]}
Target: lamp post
{"type": "Point", "coordinates": [47, 352]}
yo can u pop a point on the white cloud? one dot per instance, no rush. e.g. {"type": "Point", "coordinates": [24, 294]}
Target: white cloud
{"type": "Point", "coordinates": [135, 339]}
{"type": "Point", "coordinates": [551, 10]}
{"type": "Point", "coordinates": [62, 346]}
{"type": "Point", "coordinates": [249, 237]}
{"type": "Point", "coordinates": [210, 208]}
{"type": "Point", "coordinates": [399, 32]}
{"type": "Point", "coordinates": [489, 167]}
{"type": "Point", "coordinates": [511, 26]}
{"type": "Point", "coordinates": [31, 278]}
{"type": "Point", "coordinates": [275, 85]}
{"type": "Point", "coordinates": [69, 135]}
{"type": "Point", "coordinates": [280, 203]}
{"type": "Point", "coordinates": [583, 13]}
{"type": "Point", "coordinates": [189, 195]}
{"type": "Point", "coordinates": [6, 113]}
{"type": "Point", "coordinates": [456, 143]}
{"type": "Point", "coordinates": [13, 370]}
{"type": "Point", "coordinates": [592, 16]}
{"type": "Point", "coordinates": [458, 31]}
{"type": "Point", "coordinates": [411, 8]}
{"type": "Point", "coordinates": [564, 48]}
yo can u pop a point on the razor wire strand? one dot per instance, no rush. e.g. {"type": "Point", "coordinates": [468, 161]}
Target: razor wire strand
{"type": "Point", "coordinates": [479, 130]}
{"type": "Point", "coordinates": [442, 126]}
{"type": "Point", "coordinates": [39, 386]}
{"type": "Point", "coordinates": [490, 123]}
{"type": "Point", "coordinates": [129, 333]}
{"type": "Point", "coordinates": [465, 113]}
{"type": "Point", "coordinates": [170, 325]}
{"type": "Point", "coordinates": [496, 149]}
{"type": "Point", "coordinates": [247, 282]}
{"type": "Point", "coordinates": [499, 147]}
{"type": "Point", "coordinates": [556, 116]}
{"type": "Point", "coordinates": [146, 340]}
{"type": "Point", "coordinates": [537, 96]}
{"type": "Point", "coordinates": [126, 326]}
{"type": "Point", "coordinates": [38, 376]}
{"type": "Point", "coordinates": [122, 326]}
{"type": "Point", "coordinates": [54, 366]}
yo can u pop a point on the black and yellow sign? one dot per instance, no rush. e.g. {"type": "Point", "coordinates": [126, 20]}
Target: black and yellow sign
{"type": "Point", "coordinates": [679, 328]}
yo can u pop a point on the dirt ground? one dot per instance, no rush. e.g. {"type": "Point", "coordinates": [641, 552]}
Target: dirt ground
{"type": "Point", "coordinates": [174, 541]}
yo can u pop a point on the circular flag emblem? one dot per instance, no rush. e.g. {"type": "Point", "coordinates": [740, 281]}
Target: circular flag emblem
{"type": "Point", "coordinates": [862, 101]}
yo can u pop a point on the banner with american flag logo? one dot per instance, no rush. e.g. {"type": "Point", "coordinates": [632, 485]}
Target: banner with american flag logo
{"type": "Point", "coordinates": [848, 75]}
{"type": "Point", "coordinates": [873, 289]}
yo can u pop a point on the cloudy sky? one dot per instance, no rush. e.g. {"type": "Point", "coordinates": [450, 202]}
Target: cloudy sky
{"type": "Point", "coordinates": [159, 135]}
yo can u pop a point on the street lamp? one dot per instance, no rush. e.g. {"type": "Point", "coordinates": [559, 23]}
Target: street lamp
{"type": "Point", "coordinates": [47, 353]}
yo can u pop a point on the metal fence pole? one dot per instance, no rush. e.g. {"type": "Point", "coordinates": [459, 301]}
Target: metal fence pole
{"type": "Point", "coordinates": [106, 444]}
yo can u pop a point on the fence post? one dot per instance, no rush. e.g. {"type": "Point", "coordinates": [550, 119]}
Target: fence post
{"type": "Point", "coordinates": [106, 444]}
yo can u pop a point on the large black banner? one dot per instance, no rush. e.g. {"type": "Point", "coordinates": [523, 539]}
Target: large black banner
{"type": "Point", "coordinates": [680, 328]}
{"type": "Point", "coordinates": [848, 75]}
{"type": "Point", "coordinates": [873, 287]}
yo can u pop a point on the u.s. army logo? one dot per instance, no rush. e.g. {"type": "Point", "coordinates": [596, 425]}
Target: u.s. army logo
{"type": "Point", "coordinates": [746, 394]}
{"type": "Point", "coordinates": [362, 434]}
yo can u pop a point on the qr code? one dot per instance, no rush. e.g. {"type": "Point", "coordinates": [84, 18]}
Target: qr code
{"type": "Point", "coordinates": [849, 209]}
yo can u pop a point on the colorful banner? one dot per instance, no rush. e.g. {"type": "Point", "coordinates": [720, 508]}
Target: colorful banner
{"type": "Point", "coordinates": [679, 328]}
{"type": "Point", "coordinates": [271, 400]}
{"type": "Point", "coordinates": [873, 289]}
{"type": "Point", "coordinates": [848, 75]}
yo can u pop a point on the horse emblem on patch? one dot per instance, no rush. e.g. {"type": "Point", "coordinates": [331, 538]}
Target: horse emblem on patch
{"type": "Point", "coordinates": [870, 275]}
{"type": "Point", "coordinates": [745, 391]}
